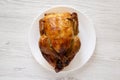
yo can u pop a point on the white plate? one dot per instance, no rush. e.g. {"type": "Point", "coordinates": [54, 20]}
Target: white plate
{"type": "Point", "coordinates": [86, 34]}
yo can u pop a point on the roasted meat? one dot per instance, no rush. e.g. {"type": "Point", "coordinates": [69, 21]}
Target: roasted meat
{"type": "Point", "coordinates": [59, 42]}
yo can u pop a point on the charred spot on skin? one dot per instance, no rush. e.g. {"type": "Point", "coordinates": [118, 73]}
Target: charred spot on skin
{"type": "Point", "coordinates": [47, 57]}
{"type": "Point", "coordinates": [62, 51]}
{"type": "Point", "coordinates": [67, 62]}
{"type": "Point", "coordinates": [59, 66]}
{"type": "Point", "coordinates": [46, 14]}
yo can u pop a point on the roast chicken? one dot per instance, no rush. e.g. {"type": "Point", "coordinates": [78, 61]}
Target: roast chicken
{"type": "Point", "coordinates": [59, 42]}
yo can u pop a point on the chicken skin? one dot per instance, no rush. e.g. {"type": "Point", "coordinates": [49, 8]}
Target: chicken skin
{"type": "Point", "coordinates": [59, 42]}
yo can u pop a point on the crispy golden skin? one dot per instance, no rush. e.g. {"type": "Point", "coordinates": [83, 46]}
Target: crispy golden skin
{"type": "Point", "coordinates": [59, 42]}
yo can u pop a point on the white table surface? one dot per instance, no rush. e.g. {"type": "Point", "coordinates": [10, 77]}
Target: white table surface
{"type": "Point", "coordinates": [16, 61]}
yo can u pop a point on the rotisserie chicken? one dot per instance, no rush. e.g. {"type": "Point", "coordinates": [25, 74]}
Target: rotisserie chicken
{"type": "Point", "coordinates": [59, 42]}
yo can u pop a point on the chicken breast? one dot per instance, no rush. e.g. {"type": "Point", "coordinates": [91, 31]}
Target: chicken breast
{"type": "Point", "coordinates": [59, 42]}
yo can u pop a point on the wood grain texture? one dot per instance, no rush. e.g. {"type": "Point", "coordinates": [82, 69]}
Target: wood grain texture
{"type": "Point", "coordinates": [16, 61]}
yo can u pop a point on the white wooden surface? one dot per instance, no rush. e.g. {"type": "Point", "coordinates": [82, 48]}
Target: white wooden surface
{"type": "Point", "coordinates": [16, 61]}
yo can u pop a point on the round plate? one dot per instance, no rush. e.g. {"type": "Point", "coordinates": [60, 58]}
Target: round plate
{"type": "Point", "coordinates": [86, 34]}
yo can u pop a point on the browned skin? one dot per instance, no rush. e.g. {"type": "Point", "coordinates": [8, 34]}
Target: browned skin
{"type": "Point", "coordinates": [59, 42]}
